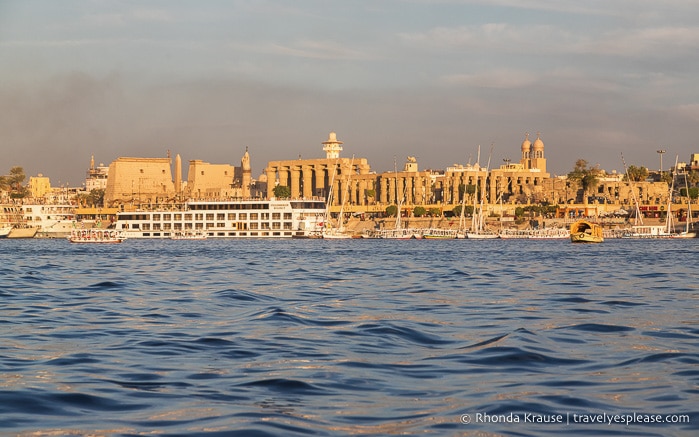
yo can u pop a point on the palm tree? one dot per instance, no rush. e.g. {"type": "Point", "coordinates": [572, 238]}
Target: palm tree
{"type": "Point", "coordinates": [587, 177]}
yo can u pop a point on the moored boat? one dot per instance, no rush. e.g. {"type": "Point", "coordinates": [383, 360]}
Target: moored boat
{"type": "Point", "coordinates": [235, 218]}
{"type": "Point", "coordinates": [51, 220]}
{"type": "Point", "coordinates": [189, 235]}
{"type": "Point", "coordinates": [439, 234]}
{"type": "Point", "coordinates": [96, 236]}
{"type": "Point", "coordinates": [584, 231]}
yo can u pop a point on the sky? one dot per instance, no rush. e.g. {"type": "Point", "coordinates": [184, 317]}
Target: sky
{"type": "Point", "coordinates": [434, 79]}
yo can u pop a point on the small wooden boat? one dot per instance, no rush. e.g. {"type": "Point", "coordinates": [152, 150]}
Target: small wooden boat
{"type": "Point", "coordinates": [583, 231]}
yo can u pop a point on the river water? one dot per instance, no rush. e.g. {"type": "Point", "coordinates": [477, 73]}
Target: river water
{"type": "Point", "coordinates": [349, 337]}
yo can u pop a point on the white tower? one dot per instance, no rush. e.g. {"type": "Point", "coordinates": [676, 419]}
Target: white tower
{"type": "Point", "coordinates": [332, 146]}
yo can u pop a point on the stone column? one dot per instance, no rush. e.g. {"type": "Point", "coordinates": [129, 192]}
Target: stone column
{"type": "Point", "coordinates": [283, 177]}
{"type": "Point", "coordinates": [362, 192]}
{"type": "Point", "coordinates": [271, 179]}
{"type": "Point", "coordinates": [409, 194]}
{"type": "Point", "coordinates": [295, 183]}
{"type": "Point", "coordinates": [456, 180]}
{"type": "Point", "coordinates": [337, 191]}
{"type": "Point", "coordinates": [383, 191]}
{"type": "Point", "coordinates": [307, 181]}
{"type": "Point", "coordinates": [320, 178]}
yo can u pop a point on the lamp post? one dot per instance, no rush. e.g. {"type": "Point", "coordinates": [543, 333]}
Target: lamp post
{"type": "Point", "coordinates": [660, 152]}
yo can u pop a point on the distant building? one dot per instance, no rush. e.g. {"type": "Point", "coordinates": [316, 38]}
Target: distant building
{"type": "Point", "coordinates": [96, 176]}
{"type": "Point", "coordinates": [319, 177]}
{"type": "Point", "coordinates": [138, 181]}
{"type": "Point", "coordinates": [39, 186]}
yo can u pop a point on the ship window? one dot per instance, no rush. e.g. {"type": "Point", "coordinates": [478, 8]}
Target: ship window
{"type": "Point", "coordinates": [167, 216]}
{"type": "Point", "coordinates": [220, 216]}
{"type": "Point", "coordinates": [287, 216]}
{"type": "Point", "coordinates": [231, 216]}
{"type": "Point", "coordinates": [178, 216]}
{"type": "Point", "coordinates": [156, 216]}
{"type": "Point", "coordinates": [209, 216]}
{"type": "Point", "coordinates": [264, 216]}
{"type": "Point", "coordinates": [253, 216]}
{"type": "Point", "coordinates": [188, 217]}
{"type": "Point", "coordinates": [243, 216]}
{"type": "Point", "coordinates": [276, 216]}
{"type": "Point", "coordinates": [276, 225]}
{"type": "Point", "coordinates": [146, 227]}
{"type": "Point", "coordinates": [253, 226]}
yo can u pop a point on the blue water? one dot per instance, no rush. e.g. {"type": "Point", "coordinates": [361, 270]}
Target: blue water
{"type": "Point", "coordinates": [360, 337]}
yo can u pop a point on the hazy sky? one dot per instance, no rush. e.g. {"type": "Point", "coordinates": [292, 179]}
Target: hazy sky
{"type": "Point", "coordinates": [426, 78]}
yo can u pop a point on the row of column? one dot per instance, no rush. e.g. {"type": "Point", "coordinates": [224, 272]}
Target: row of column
{"type": "Point", "coordinates": [391, 188]}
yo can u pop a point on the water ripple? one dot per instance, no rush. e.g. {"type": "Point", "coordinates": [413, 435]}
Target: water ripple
{"type": "Point", "coordinates": [310, 337]}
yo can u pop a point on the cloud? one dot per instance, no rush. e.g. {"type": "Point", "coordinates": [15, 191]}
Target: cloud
{"type": "Point", "coordinates": [689, 111]}
{"type": "Point", "coordinates": [501, 79]}
{"type": "Point", "coordinates": [653, 42]}
{"type": "Point", "coordinates": [305, 48]}
{"type": "Point", "coordinates": [500, 37]}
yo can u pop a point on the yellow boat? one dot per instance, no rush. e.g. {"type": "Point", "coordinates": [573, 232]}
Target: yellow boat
{"type": "Point", "coordinates": [583, 231]}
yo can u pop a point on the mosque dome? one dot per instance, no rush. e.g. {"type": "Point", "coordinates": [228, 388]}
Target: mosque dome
{"type": "Point", "coordinates": [538, 144]}
{"type": "Point", "coordinates": [332, 139]}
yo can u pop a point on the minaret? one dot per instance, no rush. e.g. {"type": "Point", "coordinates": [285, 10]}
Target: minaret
{"type": "Point", "coordinates": [526, 152]}
{"type": "Point", "coordinates": [247, 173]}
{"type": "Point", "coordinates": [178, 174]}
{"type": "Point", "coordinates": [538, 160]}
{"type": "Point", "coordinates": [92, 162]}
{"type": "Point", "coordinates": [332, 146]}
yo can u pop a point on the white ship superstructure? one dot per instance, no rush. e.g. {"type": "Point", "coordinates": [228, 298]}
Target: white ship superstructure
{"type": "Point", "coordinates": [51, 220]}
{"type": "Point", "coordinates": [278, 218]}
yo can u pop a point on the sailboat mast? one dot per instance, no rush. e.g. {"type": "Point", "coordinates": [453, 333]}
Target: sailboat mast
{"type": "Point", "coordinates": [480, 213]}
{"type": "Point", "coordinates": [345, 195]}
{"type": "Point", "coordinates": [668, 221]}
{"type": "Point", "coordinates": [474, 218]}
{"type": "Point", "coordinates": [689, 203]}
{"type": "Point", "coordinates": [638, 219]}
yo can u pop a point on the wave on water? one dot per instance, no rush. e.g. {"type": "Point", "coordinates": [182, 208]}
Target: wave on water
{"type": "Point", "coordinates": [298, 338]}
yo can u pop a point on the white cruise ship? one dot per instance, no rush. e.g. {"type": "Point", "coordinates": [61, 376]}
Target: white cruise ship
{"type": "Point", "coordinates": [51, 220]}
{"type": "Point", "coordinates": [278, 218]}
